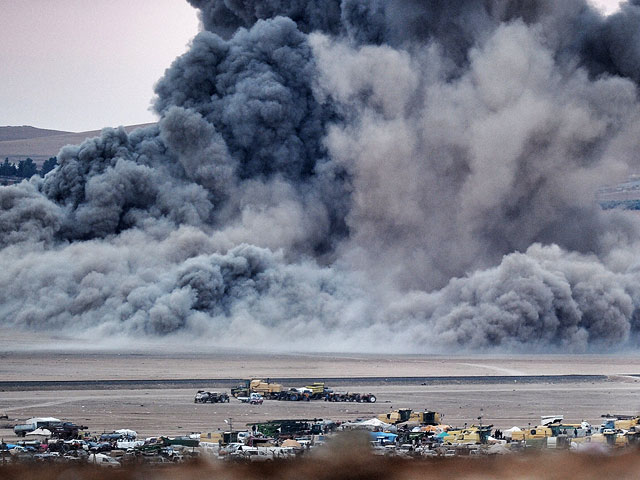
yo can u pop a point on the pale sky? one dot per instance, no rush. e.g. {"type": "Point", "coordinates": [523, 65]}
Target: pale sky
{"type": "Point", "coordinates": [85, 64]}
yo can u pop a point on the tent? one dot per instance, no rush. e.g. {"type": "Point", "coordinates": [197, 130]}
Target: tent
{"type": "Point", "coordinates": [375, 422]}
{"type": "Point", "coordinates": [508, 433]}
{"type": "Point", "coordinates": [41, 432]}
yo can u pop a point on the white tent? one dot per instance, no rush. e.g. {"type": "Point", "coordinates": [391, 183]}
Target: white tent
{"type": "Point", "coordinates": [40, 432]}
{"type": "Point", "coordinates": [375, 422]}
{"type": "Point", "coordinates": [372, 424]}
{"type": "Point", "coordinates": [125, 432]}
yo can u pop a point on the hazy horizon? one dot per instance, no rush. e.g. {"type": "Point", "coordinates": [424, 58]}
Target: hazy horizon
{"type": "Point", "coordinates": [80, 66]}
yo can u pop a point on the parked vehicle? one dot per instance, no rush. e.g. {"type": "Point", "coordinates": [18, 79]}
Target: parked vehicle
{"type": "Point", "coordinates": [267, 389]}
{"type": "Point", "coordinates": [34, 423]}
{"type": "Point", "coordinates": [211, 397]}
{"type": "Point", "coordinates": [67, 431]}
{"type": "Point", "coordinates": [253, 399]}
{"type": "Point", "coordinates": [350, 397]}
{"type": "Point", "coordinates": [103, 460]}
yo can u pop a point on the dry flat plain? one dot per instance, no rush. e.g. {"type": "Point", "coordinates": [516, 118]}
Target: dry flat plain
{"type": "Point", "coordinates": [152, 392]}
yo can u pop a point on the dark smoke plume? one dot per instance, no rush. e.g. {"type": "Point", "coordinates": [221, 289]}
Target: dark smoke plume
{"type": "Point", "coordinates": [413, 174]}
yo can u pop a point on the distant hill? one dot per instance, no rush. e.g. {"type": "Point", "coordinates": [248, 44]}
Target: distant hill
{"type": "Point", "coordinates": [20, 133]}
{"type": "Point", "coordinates": [43, 144]}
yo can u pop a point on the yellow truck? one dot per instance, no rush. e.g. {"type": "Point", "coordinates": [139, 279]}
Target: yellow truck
{"type": "Point", "coordinates": [475, 434]}
{"type": "Point", "coordinates": [426, 418]}
{"type": "Point", "coordinates": [397, 416]}
{"type": "Point", "coordinates": [266, 389]}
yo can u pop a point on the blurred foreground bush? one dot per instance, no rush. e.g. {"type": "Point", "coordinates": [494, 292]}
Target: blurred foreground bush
{"type": "Point", "coordinates": [357, 467]}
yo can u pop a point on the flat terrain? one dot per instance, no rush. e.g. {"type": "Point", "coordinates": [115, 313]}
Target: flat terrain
{"type": "Point", "coordinates": [152, 392]}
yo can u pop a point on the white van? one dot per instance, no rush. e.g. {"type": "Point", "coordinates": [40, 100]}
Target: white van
{"type": "Point", "coordinates": [103, 460]}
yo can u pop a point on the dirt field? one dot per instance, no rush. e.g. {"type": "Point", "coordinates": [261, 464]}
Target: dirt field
{"type": "Point", "coordinates": [514, 400]}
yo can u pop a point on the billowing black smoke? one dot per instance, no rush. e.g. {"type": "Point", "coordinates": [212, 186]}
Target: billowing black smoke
{"type": "Point", "coordinates": [347, 174]}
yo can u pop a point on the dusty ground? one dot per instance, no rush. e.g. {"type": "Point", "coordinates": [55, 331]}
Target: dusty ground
{"type": "Point", "coordinates": [153, 365]}
{"type": "Point", "coordinates": [154, 411]}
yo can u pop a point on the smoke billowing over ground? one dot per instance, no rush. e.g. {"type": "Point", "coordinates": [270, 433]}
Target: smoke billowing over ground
{"type": "Point", "coordinates": [418, 175]}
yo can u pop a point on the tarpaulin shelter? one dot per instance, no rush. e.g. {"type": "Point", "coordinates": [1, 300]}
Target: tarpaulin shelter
{"type": "Point", "coordinates": [383, 437]}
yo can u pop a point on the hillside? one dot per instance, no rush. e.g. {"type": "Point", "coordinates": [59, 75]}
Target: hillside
{"type": "Point", "coordinates": [25, 131]}
{"type": "Point", "coordinates": [41, 145]}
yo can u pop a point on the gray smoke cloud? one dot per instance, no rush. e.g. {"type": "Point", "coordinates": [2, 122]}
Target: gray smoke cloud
{"type": "Point", "coordinates": [413, 175]}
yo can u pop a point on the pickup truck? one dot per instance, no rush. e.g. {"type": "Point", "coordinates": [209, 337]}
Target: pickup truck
{"type": "Point", "coordinates": [253, 399]}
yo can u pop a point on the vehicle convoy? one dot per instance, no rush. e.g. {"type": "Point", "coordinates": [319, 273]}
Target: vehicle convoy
{"type": "Point", "coordinates": [275, 391]}
{"type": "Point", "coordinates": [211, 397]}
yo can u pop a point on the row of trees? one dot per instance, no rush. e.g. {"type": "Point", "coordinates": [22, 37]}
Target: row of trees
{"type": "Point", "coordinates": [26, 168]}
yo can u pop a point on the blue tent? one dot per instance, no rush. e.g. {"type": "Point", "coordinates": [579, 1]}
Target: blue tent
{"type": "Point", "coordinates": [383, 437]}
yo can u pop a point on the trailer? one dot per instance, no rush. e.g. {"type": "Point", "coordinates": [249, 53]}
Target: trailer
{"type": "Point", "coordinates": [350, 397]}
{"type": "Point", "coordinates": [283, 429]}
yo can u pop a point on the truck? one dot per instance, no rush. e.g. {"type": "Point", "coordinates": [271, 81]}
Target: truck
{"type": "Point", "coordinates": [318, 390]}
{"type": "Point", "coordinates": [267, 389]}
{"type": "Point", "coordinates": [396, 417]}
{"type": "Point", "coordinates": [211, 397]}
{"type": "Point", "coordinates": [253, 398]}
{"type": "Point", "coordinates": [34, 423]}
{"type": "Point", "coordinates": [275, 391]}
{"type": "Point", "coordinates": [475, 434]}
{"type": "Point", "coordinates": [426, 418]}
{"type": "Point", "coordinates": [67, 431]}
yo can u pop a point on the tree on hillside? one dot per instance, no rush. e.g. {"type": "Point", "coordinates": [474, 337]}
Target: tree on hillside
{"type": "Point", "coordinates": [8, 169]}
{"type": "Point", "coordinates": [27, 168]}
{"type": "Point", "coordinates": [48, 165]}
